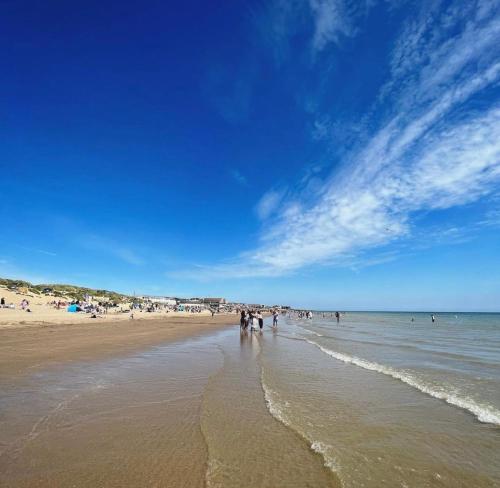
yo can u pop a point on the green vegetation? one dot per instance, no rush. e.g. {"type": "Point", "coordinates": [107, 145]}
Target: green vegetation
{"type": "Point", "coordinates": [69, 291]}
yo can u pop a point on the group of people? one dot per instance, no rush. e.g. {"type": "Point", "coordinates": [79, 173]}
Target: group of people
{"type": "Point", "coordinates": [24, 305]}
{"type": "Point", "coordinates": [302, 314]}
{"type": "Point", "coordinates": [251, 319]}
{"type": "Point", "coordinates": [254, 320]}
{"type": "Point", "coordinates": [308, 314]}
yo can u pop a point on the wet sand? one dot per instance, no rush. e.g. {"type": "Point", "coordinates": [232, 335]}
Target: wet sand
{"type": "Point", "coordinates": [166, 404]}
{"type": "Point", "coordinates": [187, 412]}
{"type": "Point", "coordinates": [26, 349]}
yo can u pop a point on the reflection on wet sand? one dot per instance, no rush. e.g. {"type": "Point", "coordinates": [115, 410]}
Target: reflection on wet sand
{"type": "Point", "coordinates": [185, 414]}
{"type": "Point", "coordinates": [244, 409]}
{"type": "Point", "coordinates": [130, 422]}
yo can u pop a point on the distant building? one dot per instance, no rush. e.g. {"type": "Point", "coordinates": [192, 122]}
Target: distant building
{"type": "Point", "coordinates": [214, 301]}
{"type": "Point", "coordinates": [171, 302]}
{"type": "Point", "coordinates": [190, 301]}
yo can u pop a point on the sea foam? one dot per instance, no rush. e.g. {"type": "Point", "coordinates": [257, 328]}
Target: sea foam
{"type": "Point", "coordinates": [484, 412]}
{"type": "Point", "coordinates": [277, 410]}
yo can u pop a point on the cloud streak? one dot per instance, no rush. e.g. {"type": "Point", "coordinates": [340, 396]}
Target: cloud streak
{"type": "Point", "coordinates": [101, 244]}
{"type": "Point", "coordinates": [40, 251]}
{"type": "Point", "coordinates": [433, 151]}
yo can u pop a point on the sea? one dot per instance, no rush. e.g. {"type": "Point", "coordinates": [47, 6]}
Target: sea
{"type": "Point", "coordinates": [376, 400]}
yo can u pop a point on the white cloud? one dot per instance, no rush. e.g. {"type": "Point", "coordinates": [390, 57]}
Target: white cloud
{"type": "Point", "coordinates": [433, 152]}
{"type": "Point", "coordinates": [331, 21]}
{"type": "Point", "coordinates": [325, 21]}
{"type": "Point", "coordinates": [321, 129]}
{"type": "Point", "coordinates": [432, 49]}
{"type": "Point", "coordinates": [491, 219]}
{"type": "Point", "coordinates": [268, 203]}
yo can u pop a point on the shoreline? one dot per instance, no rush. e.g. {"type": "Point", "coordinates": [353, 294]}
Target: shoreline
{"type": "Point", "coordinates": [180, 416]}
{"type": "Point", "coordinates": [24, 349]}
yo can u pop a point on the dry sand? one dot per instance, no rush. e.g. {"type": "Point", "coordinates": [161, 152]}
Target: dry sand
{"type": "Point", "coordinates": [47, 335]}
{"type": "Point", "coordinates": [42, 313]}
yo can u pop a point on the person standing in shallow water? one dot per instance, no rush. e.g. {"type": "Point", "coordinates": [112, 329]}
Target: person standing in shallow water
{"type": "Point", "coordinates": [337, 316]}
{"type": "Point", "coordinates": [253, 322]}
{"type": "Point", "coordinates": [433, 318]}
{"type": "Point", "coordinates": [275, 319]}
{"type": "Point", "coordinates": [261, 320]}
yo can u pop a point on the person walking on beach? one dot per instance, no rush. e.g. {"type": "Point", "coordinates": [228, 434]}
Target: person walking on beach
{"type": "Point", "coordinates": [337, 316]}
{"type": "Point", "coordinates": [242, 320]}
{"type": "Point", "coordinates": [275, 318]}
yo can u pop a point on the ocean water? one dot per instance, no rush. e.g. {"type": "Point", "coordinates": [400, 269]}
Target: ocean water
{"type": "Point", "coordinates": [375, 401]}
{"type": "Point", "coordinates": [391, 402]}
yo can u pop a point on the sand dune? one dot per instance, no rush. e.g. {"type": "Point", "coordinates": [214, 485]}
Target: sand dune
{"type": "Point", "coordinates": [41, 312]}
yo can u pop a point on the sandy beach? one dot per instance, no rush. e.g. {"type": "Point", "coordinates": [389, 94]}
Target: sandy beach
{"type": "Point", "coordinates": [174, 402]}
{"type": "Point", "coordinates": [42, 312]}
{"type": "Point", "coordinates": [194, 402]}
{"type": "Point", "coordinates": [46, 335]}
{"type": "Point", "coordinates": [181, 399]}
{"type": "Point", "coordinates": [24, 349]}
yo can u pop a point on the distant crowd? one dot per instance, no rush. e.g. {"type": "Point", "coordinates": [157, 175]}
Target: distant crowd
{"type": "Point", "coordinates": [308, 314]}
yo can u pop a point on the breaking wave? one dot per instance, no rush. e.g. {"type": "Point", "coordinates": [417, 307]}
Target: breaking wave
{"type": "Point", "coordinates": [484, 412]}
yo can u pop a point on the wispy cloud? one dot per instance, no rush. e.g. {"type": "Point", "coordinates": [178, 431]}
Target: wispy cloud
{"type": "Point", "coordinates": [325, 22]}
{"type": "Point", "coordinates": [238, 177]}
{"type": "Point", "coordinates": [433, 151]}
{"type": "Point", "coordinates": [109, 246]}
{"type": "Point", "coordinates": [47, 253]}
{"type": "Point", "coordinates": [39, 251]}
{"type": "Point", "coordinates": [491, 219]}
{"type": "Point", "coordinates": [332, 20]}
{"type": "Point", "coordinates": [268, 203]}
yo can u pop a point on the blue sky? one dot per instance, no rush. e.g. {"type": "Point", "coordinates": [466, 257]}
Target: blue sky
{"type": "Point", "coordinates": [322, 153]}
